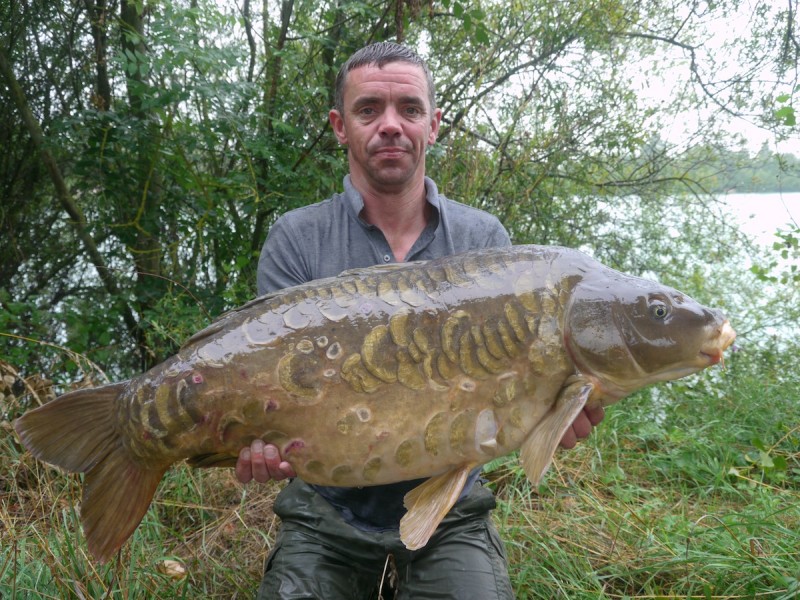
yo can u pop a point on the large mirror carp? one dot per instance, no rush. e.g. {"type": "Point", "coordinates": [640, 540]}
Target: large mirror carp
{"type": "Point", "coordinates": [380, 375]}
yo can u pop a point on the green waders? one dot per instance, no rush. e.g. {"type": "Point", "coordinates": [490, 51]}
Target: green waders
{"type": "Point", "coordinates": [318, 555]}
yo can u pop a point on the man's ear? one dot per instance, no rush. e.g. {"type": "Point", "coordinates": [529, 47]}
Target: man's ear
{"type": "Point", "coordinates": [337, 123]}
{"type": "Point", "coordinates": [435, 121]}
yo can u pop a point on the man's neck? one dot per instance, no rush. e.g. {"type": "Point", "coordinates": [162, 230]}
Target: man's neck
{"type": "Point", "coordinates": [401, 215]}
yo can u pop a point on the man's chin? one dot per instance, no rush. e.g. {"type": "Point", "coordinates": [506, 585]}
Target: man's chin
{"type": "Point", "coordinates": [392, 177]}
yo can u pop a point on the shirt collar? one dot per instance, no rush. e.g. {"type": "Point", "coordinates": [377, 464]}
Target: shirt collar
{"type": "Point", "coordinates": [355, 202]}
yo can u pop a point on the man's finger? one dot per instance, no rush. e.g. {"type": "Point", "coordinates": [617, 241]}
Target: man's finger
{"type": "Point", "coordinates": [272, 461]}
{"type": "Point", "coordinates": [259, 467]}
{"type": "Point", "coordinates": [595, 414]}
{"type": "Point", "coordinates": [582, 427]}
{"type": "Point", "coordinates": [287, 470]}
{"type": "Point", "coordinates": [569, 439]}
{"type": "Point", "coordinates": [244, 469]}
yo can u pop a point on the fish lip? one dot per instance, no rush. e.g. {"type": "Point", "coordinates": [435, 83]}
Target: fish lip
{"type": "Point", "coordinates": [711, 358]}
{"type": "Point", "coordinates": [727, 334]}
{"type": "Point", "coordinates": [714, 353]}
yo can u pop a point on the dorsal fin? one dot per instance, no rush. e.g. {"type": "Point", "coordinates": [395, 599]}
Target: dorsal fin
{"type": "Point", "coordinates": [379, 268]}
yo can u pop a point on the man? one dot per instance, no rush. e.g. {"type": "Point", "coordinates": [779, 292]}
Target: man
{"type": "Point", "coordinates": [334, 542]}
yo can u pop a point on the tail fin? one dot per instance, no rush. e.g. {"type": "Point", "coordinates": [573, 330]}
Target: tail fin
{"type": "Point", "coordinates": [77, 432]}
{"type": "Point", "coordinates": [116, 496]}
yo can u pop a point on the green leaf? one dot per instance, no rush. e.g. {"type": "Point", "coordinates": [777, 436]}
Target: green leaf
{"type": "Point", "coordinates": [786, 116]}
{"type": "Point", "coordinates": [780, 463]}
{"type": "Point", "coordinates": [765, 461]}
{"type": "Point", "coordinates": [481, 35]}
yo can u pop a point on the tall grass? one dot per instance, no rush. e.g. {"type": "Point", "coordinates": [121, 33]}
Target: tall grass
{"type": "Point", "coordinates": [687, 490]}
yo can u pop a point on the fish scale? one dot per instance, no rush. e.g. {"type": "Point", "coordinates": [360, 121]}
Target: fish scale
{"type": "Point", "coordinates": [384, 374]}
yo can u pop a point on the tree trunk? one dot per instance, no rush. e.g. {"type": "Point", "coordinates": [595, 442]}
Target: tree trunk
{"type": "Point", "coordinates": [145, 207]}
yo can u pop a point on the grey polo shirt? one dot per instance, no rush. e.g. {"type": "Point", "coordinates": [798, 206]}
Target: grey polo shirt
{"type": "Point", "coordinates": [324, 239]}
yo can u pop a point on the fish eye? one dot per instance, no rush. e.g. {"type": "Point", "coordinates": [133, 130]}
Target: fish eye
{"type": "Point", "coordinates": [659, 310]}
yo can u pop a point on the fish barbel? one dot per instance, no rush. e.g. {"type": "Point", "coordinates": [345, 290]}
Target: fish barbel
{"type": "Point", "coordinates": [379, 375]}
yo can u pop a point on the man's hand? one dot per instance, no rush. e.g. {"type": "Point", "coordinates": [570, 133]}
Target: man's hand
{"type": "Point", "coordinates": [262, 462]}
{"type": "Point", "coordinates": [582, 426]}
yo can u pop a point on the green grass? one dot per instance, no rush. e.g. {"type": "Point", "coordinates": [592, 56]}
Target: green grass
{"type": "Point", "coordinates": [687, 490]}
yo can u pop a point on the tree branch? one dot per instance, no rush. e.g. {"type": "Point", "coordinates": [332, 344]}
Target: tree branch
{"type": "Point", "coordinates": [62, 191]}
{"type": "Point", "coordinates": [251, 40]}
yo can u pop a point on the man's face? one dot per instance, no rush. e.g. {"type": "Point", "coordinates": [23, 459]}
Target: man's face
{"type": "Point", "coordinates": [387, 124]}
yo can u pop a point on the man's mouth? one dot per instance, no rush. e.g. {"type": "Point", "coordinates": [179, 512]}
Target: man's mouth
{"type": "Point", "coordinates": [390, 152]}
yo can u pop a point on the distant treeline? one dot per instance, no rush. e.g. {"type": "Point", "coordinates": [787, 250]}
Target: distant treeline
{"type": "Point", "coordinates": [764, 172]}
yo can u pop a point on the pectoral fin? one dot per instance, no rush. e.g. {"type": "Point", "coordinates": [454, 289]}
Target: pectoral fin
{"type": "Point", "coordinates": [538, 449]}
{"type": "Point", "coordinates": [427, 505]}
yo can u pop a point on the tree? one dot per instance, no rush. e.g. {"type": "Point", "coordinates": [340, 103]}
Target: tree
{"type": "Point", "coordinates": [151, 144]}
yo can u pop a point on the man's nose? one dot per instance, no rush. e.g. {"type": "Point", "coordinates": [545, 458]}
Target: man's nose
{"type": "Point", "coordinates": [390, 123]}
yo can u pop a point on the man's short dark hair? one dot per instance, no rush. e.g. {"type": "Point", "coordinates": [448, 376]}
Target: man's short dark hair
{"type": "Point", "coordinates": [380, 54]}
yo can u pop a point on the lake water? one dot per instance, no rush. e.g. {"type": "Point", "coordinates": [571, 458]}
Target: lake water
{"type": "Point", "coordinates": [761, 215]}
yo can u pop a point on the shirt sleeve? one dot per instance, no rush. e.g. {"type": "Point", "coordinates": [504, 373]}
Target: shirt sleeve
{"type": "Point", "coordinates": [498, 237]}
{"type": "Point", "coordinates": [282, 262]}
{"type": "Point", "coordinates": [486, 231]}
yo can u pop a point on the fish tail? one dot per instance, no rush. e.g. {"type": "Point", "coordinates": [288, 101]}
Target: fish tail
{"type": "Point", "coordinates": [116, 495]}
{"type": "Point", "coordinates": [77, 432]}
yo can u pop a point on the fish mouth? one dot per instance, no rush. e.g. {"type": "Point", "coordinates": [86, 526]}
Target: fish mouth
{"type": "Point", "coordinates": [713, 353]}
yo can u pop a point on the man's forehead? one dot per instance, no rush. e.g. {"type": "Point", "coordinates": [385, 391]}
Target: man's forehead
{"type": "Point", "coordinates": [402, 75]}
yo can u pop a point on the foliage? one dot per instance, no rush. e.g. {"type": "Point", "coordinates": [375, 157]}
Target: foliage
{"type": "Point", "coordinates": [742, 172]}
{"type": "Point", "coordinates": [785, 113]}
{"type": "Point", "coordinates": [179, 130]}
{"type": "Point", "coordinates": [787, 250]}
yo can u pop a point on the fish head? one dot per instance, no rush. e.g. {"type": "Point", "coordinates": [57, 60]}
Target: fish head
{"type": "Point", "coordinates": [625, 333]}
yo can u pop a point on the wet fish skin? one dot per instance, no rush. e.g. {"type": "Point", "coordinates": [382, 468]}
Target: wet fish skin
{"type": "Point", "coordinates": [381, 375]}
